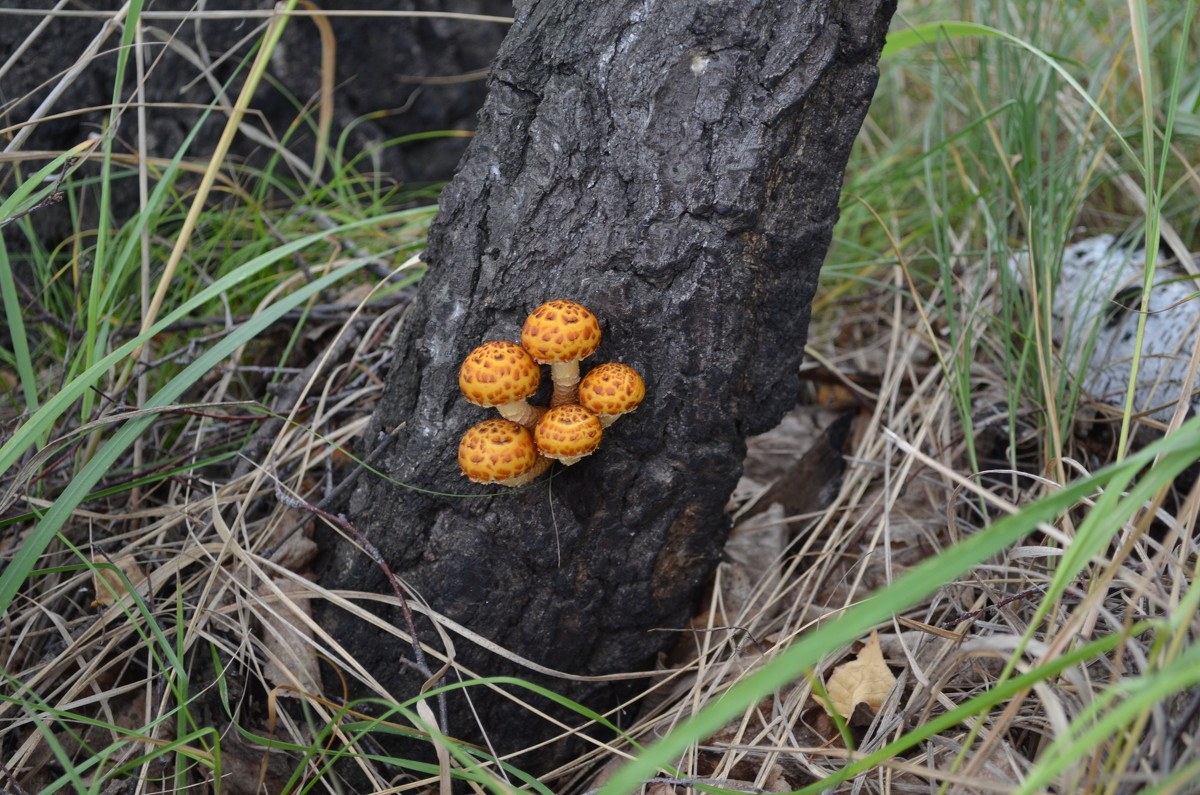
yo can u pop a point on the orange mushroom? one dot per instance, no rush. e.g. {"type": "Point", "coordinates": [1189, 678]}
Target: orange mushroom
{"type": "Point", "coordinates": [500, 451]}
{"type": "Point", "coordinates": [568, 433]}
{"type": "Point", "coordinates": [502, 374]}
{"type": "Point", "coordinates": [610, 390]}
{"type": "Point", "coordinates": [561, 333]}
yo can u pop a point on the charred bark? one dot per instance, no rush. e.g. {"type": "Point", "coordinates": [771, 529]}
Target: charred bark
{"type": "Point", "coordinates": [676, 167]}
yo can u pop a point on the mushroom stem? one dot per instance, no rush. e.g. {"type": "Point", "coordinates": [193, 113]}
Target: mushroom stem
{"type": "Point", "coordinates": [529, 476]}
{"type": "Point", "coordinates": [566, 383]}
{"type": "Point", "coordinates": [521, 412]}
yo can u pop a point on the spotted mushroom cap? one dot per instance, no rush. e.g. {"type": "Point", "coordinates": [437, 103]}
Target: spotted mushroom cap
{"type": "Point", "coordinates": [496, 450]}
{"type": "Point", "coordinates": [611, 389]}
{"type": "Point", "coordinates": [560, 331]}
{"type": "Point", "coordinates": [568, 432]}
{"type": "Point", "coordinates": [498, 372]}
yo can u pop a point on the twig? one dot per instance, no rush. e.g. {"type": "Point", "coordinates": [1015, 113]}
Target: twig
{"type": "Point", "coordinates": [738, 647]}
{"type": "Point", "coordinates": [340, 521]}
{"type": "Point", "coordinates": [1176, 732]}
{"type": "Point", "coordinates": [331, 497]}
{"type": "Point", "coordinates": [973, 614]}
{"type": "Point", "coordinates": [12, 780]}
{"type": "Point", "coordinates": [328, 312]}
{"type": "Point", "coordinates": [740, 786]}
{"type": "Point", "coordinates": [370, 460]}
{"type": "Point", "coordinates": [53, 197]}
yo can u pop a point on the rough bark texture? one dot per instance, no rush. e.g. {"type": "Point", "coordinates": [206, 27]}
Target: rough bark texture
{"type": "Point", "coordinates": [675, 166]}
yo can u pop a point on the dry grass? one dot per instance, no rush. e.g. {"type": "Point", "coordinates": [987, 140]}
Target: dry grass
{"type": "Point", "coordinates": [167, 641]}
{"type": "Point", "coordinates": [907, 495]}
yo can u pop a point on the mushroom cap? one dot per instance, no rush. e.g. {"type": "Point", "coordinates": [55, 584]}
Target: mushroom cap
{"type": "Point", "coordinates": [611, 389]}
{"type": "Point", "coordinates": [498, 372]}
{"type": "Point", "coordinates": [496, 450]}
{"type": "Point", "coordinates": [567, 432]}
{"type": "Point", "coordinates": [560, 331]}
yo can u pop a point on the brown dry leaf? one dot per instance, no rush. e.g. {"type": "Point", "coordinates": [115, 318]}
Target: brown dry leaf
{"type": "Point", "coordinates": [108, 583]}
{"type": "Point", "coordinates": [292, 532]}
{"type": "Point", "coordinates": [864, 680]}
{"type": "Point", "coordinates": [751, 569]}
{"type": "Point", "coordinates": [286, 639]}
{"type": "Point", "coordinates": [296, 552]}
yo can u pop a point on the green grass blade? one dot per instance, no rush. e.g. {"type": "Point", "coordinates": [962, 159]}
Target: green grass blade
{"type": "Point", "coordinates": [1104, 719]}
{"type": "Point", "coordinates": [15, 573]}
{"type": "Point", "coordinates": [972, 707]}
{"type": "Point", "coordinates": [16, 331]}
{"type": "Point", "coordinates": [919, 583]}
{"type": "Point", "coordinates": [44, 419]}
{"type": "Point", "coordinates": [926, 34]}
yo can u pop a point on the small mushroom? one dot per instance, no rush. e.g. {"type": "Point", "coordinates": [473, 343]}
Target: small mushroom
{"type": "Point", "coordinates": [610, 390]}
{"type": "Point", "coordinates": [561, 333]}
{"type": "Point", "coordinates": [567, 433]}
{"type": "Point", "coordinates": [502, 374]}
{"type": "Point", "coordinates": [500, 451]}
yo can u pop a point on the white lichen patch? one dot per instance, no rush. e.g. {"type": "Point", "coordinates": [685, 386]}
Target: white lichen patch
{"type": "Point", "coordinates": [1096, 303]}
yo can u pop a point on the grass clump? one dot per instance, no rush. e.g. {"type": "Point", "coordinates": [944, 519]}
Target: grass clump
{"type": "Point", "coordinates": [135, 352]}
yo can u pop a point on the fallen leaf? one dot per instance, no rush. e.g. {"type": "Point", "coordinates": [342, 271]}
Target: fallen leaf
{"type": "Point", "coordinates": [292, 530]}
{"type": "Point", "coordinates": [864, 680]}
{"type": "Point", "coordinates": [107, 581]}
{"type": "Point", "coordinates": [751, 569]}
{"type": "Point", "coordinates": [296, 552]}
{"type": "Point", "coordinates": [287, 639]}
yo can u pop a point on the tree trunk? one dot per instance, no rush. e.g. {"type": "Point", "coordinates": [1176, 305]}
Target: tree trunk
{"type": "Point", "coordinates": [675, 166]}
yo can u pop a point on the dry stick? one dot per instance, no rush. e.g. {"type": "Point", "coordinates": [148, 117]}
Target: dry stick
{"type": "Point", "coordinates": [12, 780]}
{"type": "Point", "coordinates": [142, 390]}
{"type": "Point", "coordinates": [265, 13]}
{"type": "Point", "coordinates": [369, 461]}
{"type": "Point", "coordinates": [733, 629]}
{"type": "Point", "coordinates": [340, 521]}
{"type": "Point", "coordinates": [286, 401]}
{"type": "Point", "coordinates": [337, 491]}
{"type": "Point", "coordinates": [973, 614]}
{"type": "Point", "coordinates": [1181, 725]}
{"type": "Point", "coordinates": [723, 783]}
{"type": "Point", "coordinates": [328, 312]}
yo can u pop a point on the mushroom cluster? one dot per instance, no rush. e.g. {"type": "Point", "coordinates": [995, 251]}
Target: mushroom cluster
{"type": "Point", "coordinates": [516, 449]}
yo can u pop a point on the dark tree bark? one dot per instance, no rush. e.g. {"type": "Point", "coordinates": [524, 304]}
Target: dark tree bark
{"type": "Point", "coordinates": [675, 166]}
